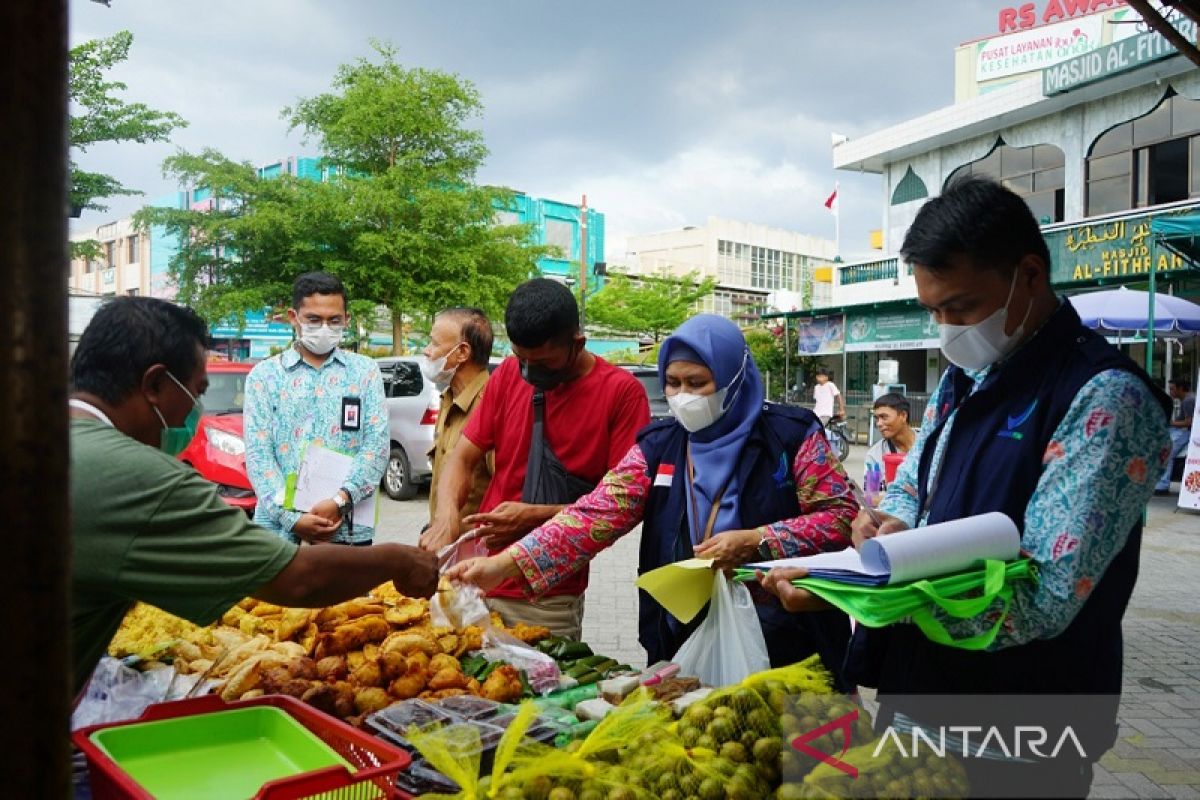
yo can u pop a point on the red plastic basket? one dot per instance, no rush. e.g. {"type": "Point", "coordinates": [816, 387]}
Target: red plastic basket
{"type": "Point", "coordinates": [377, 762]}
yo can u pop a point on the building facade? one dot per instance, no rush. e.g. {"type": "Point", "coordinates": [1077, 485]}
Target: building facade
{"type": "Point", "coordinates": [756, 268]}
{"type": "Point", "coordinates": [1100, 137]}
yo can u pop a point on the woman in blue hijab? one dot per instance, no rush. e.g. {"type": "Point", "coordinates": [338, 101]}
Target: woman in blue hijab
{"type": "Point", "coordinates": [728, 477]}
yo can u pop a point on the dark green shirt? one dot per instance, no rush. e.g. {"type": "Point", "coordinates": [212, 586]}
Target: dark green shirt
{"type": "Point", "coordinates": [148, 527]}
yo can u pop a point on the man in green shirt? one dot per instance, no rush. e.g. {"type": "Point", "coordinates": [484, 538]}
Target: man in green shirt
{"type": "Point", "coordinates": [148, 527]}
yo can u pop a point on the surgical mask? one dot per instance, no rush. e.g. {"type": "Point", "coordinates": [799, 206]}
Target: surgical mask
{"type": "Point", "coordinates": [978, 346]}
{"type": "Point", "coordinates": [320, 339]}
{"type": "Point", "coordinates": [546, 379]}
{"type": "Point", "coordinates": [434, 369]}
{"type": "Point", "coordinates": [696, 412]}
{"type": "Point", "coordinates": [175, 440]}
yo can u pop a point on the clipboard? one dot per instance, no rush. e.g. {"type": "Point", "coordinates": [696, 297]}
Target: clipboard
{"type": "Point", "coordinates": [321, 474]}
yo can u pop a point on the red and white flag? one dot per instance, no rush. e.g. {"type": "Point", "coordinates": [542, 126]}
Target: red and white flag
{"type": "Point", "coordinates": [831, 202]}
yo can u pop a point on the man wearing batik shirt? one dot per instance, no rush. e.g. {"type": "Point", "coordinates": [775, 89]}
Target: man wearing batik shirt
{"type": "Point", "coordinates": [1038, 418]}
{"type": "Point", "coordinates": [315, 393]}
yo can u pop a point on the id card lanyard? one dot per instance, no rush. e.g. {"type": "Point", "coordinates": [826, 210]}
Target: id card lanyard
{"type": "Point", "coordinates": [88, 408]}
{"type": "Point", "coordinates": [716, 504]}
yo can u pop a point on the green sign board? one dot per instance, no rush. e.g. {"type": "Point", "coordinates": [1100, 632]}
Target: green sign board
{"type": "Point", "coordinates": [1120, 56]}
{"type": "Point", "coordinates": [1114, 249]}
{"type": "Point", "coordinates": [907, 329]}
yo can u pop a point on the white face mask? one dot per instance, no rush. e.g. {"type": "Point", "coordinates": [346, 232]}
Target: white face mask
{"type": "Point", "coordinates": [697, 411]}
{"type": "Point", "coordinates": [978, 346]}
{"type": "Point", "coordinates": [434, 369]}
{"type": "Point", "coordinates": [320, 339]}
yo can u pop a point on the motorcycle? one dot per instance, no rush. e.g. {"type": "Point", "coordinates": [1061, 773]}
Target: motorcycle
{"type": "Point", "coordinates": [837, 433]}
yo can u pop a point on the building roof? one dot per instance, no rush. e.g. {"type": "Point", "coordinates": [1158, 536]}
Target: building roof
{"type": "Point", "coordinates": [987, 114]}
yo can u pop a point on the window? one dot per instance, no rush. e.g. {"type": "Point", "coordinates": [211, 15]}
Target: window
{"type": "Point", "coordinates": [132, 253]}
{"type": "Point", "coordinates": [561, 234]}
{"type": "Point", "coordinates": [507, 218]}
{"type": "Point", "coordinates": [1148, 161]}
{"type": "Point", "coordinates": [132, 292]}
{"type": "Point", "coordinates": [402, 379]}
{"type": "Point", "coordinates": [759, 267]}
{"type": "Point", "coordinates": [110, 254]}
{"type": "Point", "coordinates": [910, 188]}
{"type": "Point", "coordinates": [1036, 173]}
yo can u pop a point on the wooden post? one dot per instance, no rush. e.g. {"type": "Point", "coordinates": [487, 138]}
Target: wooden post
{"type": "Point", "coordinates": [35, 703]}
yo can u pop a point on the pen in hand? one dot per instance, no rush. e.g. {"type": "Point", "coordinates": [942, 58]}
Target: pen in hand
{"type": "Point", "coordinates": [862, 502]}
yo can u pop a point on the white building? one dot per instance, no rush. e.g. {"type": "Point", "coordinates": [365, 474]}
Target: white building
{"type": "Point", "coordinates": [123, 266]}
{"type": "Point", "coordinates": [1093, 120]}
{"type": "Point", "coordinates": [756, 267]}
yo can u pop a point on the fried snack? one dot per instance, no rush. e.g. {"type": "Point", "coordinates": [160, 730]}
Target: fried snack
{"type": "Point", "coordinates": [470, 639]}
{"type": "Point", "coordinates": [442, 694]}
{"type": "Point", "coordinates": [407, 686]}
{"type": "Point", "coordinates": [497, 620]}
{"type": "Point", "coordinates": [343, 705]}
{"type": "Point", "coordinates": [503, 685]}
{"type": "Point", "coordinates": [370, 651]}
{"type": "Point", "coordinates": [188, 651]}
{"type": "Point", "coordinates": [529, 634]}
{"type": "Point", "coordinates": [200, 666]}
{"type": "Point", "coordinates": [290, 649]}
{"type": "Point", "coordinates": [336, 616]}
{"type": "Point", "coordinates": [473, 686]}
{"type": "Point", "coordinates": [417, 661]}
{"type": "Point", "coordinates": [250, 624]}
{"type": "Point", "coordinates": [247, 603]}
{"type": "Point", "coordinates": [267, 610]}
{"type": "Point", "coordinates": [449, 678]}
{"type": "Point", "coordinates": [253, 693]}
{"type": "Point", "coordinates": [332, 668]}
{"type": "Point", "coordinates": [352, 635]}
{"type": "Point", "coordinates": [147, 629]}
{"type": "Point", "coordinates": [388, 593]}
{"type": "Point", "coordinates": [322, 697]}
{"type": "Point", "coordinates": [303, 667]}
{"type": "Point", "coordinates": [240, 654]}
{"type": "Point", "coordinates": [245, 677]}
{"type": "Point", "coordinates": [293, 622]}
{"type": "Point", "coordinates": [448, 643]}
{"type": "Point", "coordinates": [228, 639]}
{"type": "Point", "coordinates": [408, 611]}
{"type": "Point", "coordinates": [393, 663]}
{"type": "Point", "coordinates": [355, 660]}
{"type": "Point", "coordinates": [443, 661]}
{"type": "Point", "coordinates": [233, 616]}
{"type": "Point", "coordinates": [273, 679]}
{"type": "Point", "coordinates": [369, 674]}
{"type": "Point", "coordinates": [406, 642]}
{"type": "Point", "coordinates": [308, 639]}
{"type": "Point", "coordinates": [371, 699]}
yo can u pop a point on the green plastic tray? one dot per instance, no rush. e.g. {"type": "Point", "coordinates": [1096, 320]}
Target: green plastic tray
{"type": "Point", "coordinates": [227, 754]}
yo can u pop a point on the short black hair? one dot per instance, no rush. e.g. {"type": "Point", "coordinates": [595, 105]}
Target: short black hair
{"type": "Point", "coordinates": [126, 337]}
{"type": "Point", "coordinates": [311, 283]}
{"type": "Point", "coordinates": [976, 218]}
{"type": "Point", "coordinates": [823, 371]}
{"type": "Point", "coordinates": [541, 311]}
{"type": "Point", "coordinates": [1182, 384]}
{"type": "Point", "coordinates": [476, 331]}
{"type": "Point", "coordinates": [897, 402]}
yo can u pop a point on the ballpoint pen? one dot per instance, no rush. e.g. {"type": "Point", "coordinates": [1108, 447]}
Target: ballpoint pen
{"type": "Point", "coordinates": [862, 501]}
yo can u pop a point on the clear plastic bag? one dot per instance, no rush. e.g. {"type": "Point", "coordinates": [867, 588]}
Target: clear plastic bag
{"type": "Point", "coordinates": [117, 692]}
{"type": "Point", "coordinates": [458, 606]}
{"type": "Point", "coordinates": [729, 646]}
{"type": "Point", "coordinates": [540, 670]}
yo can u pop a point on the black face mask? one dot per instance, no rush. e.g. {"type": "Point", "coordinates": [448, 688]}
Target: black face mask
{"type": "Point", "coordinates": [547, 379]}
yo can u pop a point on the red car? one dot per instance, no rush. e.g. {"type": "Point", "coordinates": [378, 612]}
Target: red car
{"type": "Point", "coordinates": [219, 451]}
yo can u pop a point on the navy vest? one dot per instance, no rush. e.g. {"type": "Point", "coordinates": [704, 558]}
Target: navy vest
{"type": "Point", "coordinates": [992, 463]}
{"type": "Point", "coordinates": [766, 494]}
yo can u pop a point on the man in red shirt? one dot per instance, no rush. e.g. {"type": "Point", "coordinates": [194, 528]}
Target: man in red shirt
{"type": "Point", "coordinates": [591, 413]}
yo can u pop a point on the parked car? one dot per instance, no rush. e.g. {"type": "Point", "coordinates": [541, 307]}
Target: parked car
{"type": "Point", "coordinates": [412, 405]}
{"type": "Point", "coordinates": [648, 378]}
{"type": "Point", "coordinates": [218, 451]}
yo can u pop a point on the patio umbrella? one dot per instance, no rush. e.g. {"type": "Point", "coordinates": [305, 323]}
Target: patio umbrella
{"type": "Point", "coordinates": [1123, 309]}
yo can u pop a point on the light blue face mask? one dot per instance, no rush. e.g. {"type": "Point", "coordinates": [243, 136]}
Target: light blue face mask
{"type": "Point", "coordinates": [175, 440]}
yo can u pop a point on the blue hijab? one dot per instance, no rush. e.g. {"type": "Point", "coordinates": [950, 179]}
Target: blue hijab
{"type": "Point", "coordinates": [717, 343]}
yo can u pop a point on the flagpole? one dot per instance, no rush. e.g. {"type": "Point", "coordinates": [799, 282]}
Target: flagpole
{"type": "Point", "coordinates": [837, 222]}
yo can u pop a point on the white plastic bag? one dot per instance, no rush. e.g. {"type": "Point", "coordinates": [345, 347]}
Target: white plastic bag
{"type": "Point", "coordinates": [117, 692]}
{"type": "Point", "coordinates": [729, 645]}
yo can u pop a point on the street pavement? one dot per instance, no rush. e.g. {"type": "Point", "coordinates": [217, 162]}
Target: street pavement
{"type": "Point", "coordinates": [1158, 751]}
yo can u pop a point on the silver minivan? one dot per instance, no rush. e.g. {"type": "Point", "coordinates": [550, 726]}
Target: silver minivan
{"type": "Point", "coordinates": [412, 405]}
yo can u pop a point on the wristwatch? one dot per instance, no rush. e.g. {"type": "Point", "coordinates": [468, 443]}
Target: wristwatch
{"type": "Point", "coordinates": [764, 549]}
{"type": "Point", "coordinates": [339, 500]}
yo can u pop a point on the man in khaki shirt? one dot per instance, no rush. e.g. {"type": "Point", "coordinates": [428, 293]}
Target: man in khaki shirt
{"type": "Point", "coordinates": [456, 361]}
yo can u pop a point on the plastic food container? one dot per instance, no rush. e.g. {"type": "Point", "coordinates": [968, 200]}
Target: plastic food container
{"type": "Point", "coordinates": [470, 707]}
{"type": "Point", "coordinates": [269, 747]}
{"type": "Point", "coordinates": [398, 718]}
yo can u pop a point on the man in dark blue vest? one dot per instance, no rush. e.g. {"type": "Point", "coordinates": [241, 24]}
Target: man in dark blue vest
{"type": "Point", "coordinates": [1041, 419]}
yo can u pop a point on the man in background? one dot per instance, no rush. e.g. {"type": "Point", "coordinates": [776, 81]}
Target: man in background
{"type": "Point", "coordinates": [590, 414]}
{"type": "Point", "coordinates": [315, 393]}
{"type": "Point", "coordinates": [455, 361]}
{"type": "Point", "coordinates": [825, 394]}
{"type": "Point", "coordinates": [891, 412]}
{"type": "Point", "coordinates": [1180, 428]}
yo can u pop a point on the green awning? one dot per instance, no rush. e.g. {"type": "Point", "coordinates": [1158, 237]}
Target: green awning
{"type": "Point", "coordinates": [1180, 234]}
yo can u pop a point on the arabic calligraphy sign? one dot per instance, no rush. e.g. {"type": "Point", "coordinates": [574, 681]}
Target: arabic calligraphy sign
{"type": "Point", "coordinates": [1107, 250]}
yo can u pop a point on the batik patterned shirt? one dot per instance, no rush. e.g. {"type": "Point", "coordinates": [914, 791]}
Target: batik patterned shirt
{"type": "Point", "coordinates": [1098, 472]}
{"type": "Point", "coordinates": [290, 405]}
{"type": "Point", "coordinates": [561, 547]}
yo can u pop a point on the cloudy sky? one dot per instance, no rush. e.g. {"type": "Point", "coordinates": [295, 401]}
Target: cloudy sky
{"type": "Point", "coordinates": [663, 113]}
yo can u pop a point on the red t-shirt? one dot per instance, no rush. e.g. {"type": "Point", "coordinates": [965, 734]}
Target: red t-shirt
{"type": "Point", "coordinates": [590, 424]}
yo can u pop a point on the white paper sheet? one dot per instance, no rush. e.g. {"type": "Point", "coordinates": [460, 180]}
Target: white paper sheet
{"type": "Point", "coordinates": [322, 473]}
{"type": "Point", "coordinates": [918, 553]}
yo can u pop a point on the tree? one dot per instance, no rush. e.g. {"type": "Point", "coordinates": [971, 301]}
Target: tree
{"type": "Point", "coordinates": [100, 115]}
{"type": "Point", "coordinates": [651, 307]}
{"type": "Point", "coordinates": [771, 354]}
{"type": "Point", "coordinates": [421, 234]}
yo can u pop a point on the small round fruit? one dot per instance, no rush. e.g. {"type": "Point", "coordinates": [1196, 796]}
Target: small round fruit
{"type": "Point", "coordinates": [734, 751]}
{"type": "Point", "coordinates": [561, 793]}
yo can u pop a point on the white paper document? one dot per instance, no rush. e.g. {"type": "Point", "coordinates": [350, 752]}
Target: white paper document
{"type": "Point", "coordinates": [322, 473]}
{"type": "Point", "coordinates": [916, 553]}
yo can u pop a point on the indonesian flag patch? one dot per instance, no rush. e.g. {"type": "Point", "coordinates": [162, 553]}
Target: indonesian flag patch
{"type": "Point", "coordinates": [665, 474]}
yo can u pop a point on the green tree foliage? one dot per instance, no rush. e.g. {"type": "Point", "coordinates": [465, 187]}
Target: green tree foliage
{"type": "Point", "coordinates": [770, 351]}
{"type": "Point", "coordinates": [421, 235]}
{"type": "Point", "coordinates": [650, 307]}
{"type": "Point", "coordinates": [98, 114]}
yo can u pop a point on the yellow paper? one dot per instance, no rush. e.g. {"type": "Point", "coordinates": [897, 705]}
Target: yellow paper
{"type": "Point", "coordinates": [681, 588]}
